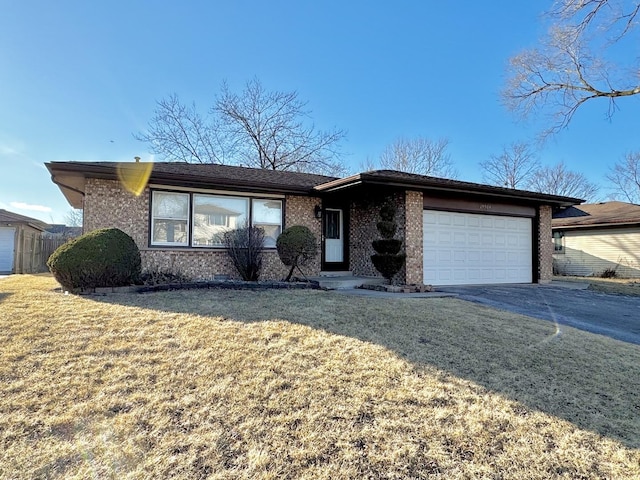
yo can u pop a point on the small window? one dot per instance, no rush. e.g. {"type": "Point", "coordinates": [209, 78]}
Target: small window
{"type": "Point", "coordinates": [267, 214]}
{"type": "Point", "coordinates": [215, 215]}
{"type": "Point", "coordinates": [558, 242]}
{"type": "Point", "coordinates": [170, 219]}
{"type": "Point", "coordinates": [332, 224]}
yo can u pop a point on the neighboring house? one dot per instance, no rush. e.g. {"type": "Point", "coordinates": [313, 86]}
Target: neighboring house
{"type": "Point", "coordinates": [593, 239]}
{"type": "Point", "coordinates": [453, 232]}
{"type": "Point", "coordinates": [20, 244]}
{"type": "Point", "coordinates": [57, 230]}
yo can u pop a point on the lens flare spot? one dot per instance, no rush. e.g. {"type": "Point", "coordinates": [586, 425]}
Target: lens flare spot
{"type": "Point", "coordinates": [134, 176]}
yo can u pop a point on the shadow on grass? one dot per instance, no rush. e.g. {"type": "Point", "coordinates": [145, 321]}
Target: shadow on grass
{"type": "Point", "coordinates": [589, 380]}
{"type": "Point", "coordinates": [4, 296]}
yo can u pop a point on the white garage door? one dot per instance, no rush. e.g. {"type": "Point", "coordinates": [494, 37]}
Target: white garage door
{"type": "Point", "coordinates": [467, 249]}
{"type": "Point", "coordinates": [7, 236]}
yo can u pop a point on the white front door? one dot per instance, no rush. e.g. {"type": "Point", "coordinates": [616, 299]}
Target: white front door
{"type": "Point", "coordinates": [333, 236]}
{"type": "Point", "coordinates": [7, 237]}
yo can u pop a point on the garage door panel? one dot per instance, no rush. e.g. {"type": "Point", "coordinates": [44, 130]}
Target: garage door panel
{"type": "Point", "coordinates": [459, 221]}
{"type": "Point", "coordinates": [444, 238]}
{"type": "Point", "coordinates": [473, 239]}
{"type": "Point", "coordinates": [7, 238]}
{"type": "Point", "coordinates": [444, 219]}
{"type": "Point", "coordinates": [459, 237]}
{"type": "Point", "coordinates": [430, 218]}
{"type": "Point", "coordinates": [464, 248]}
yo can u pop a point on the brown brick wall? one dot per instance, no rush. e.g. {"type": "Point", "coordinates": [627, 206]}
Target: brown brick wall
{"type": "Point", "coordinates": [107, 204]}
{"type": "Point", "coordinates": [414, 237]}
{"type": "Point", "coordinates": [300, 211]}
{"type": "Point", "coordinates": [365, 214]}
{"type": "Point", "coordinates": [545, 245]}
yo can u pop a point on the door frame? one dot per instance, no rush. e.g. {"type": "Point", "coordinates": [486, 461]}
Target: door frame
{"type": "Point", "coordinates": [344, 264]}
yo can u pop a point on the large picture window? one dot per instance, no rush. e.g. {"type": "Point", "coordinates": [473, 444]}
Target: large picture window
{"type": "Point", "coordinates": [200, 220]}
{"type": "Point", "coordinates": [213, 216]}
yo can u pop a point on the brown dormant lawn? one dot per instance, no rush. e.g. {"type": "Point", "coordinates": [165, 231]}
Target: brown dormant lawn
{"type": "Point", "coordinates": [615, 286]}
{"type": "Point", "coordinates": [305, 385]}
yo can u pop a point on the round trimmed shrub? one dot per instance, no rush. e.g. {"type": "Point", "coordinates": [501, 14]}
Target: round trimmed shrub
{"type": "Point", "coordinates": [296, 247]}
{"type": "Point", "coordinates": [102, 258]}
{"type": "Point", "coordinates": [387, 246]}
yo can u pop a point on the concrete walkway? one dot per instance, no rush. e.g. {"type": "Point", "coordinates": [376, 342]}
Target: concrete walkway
{"type": "Point", "coordinates": [361, 292]}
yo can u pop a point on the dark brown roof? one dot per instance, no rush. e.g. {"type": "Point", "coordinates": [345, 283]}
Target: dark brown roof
{"type": "Point", "coordinates": [10, 217]}
{"type": "Point", "coordinates": [69, 176]}
{"type": "Point", "coordinates": [598, 214]}
{"type": "Point", "coordinates": [206, 174]}
{"type": "Point", "coordinates": [426, 183]}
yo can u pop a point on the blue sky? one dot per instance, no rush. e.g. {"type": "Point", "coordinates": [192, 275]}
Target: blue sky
{"type": "Point", "coordinates": [78, 78]}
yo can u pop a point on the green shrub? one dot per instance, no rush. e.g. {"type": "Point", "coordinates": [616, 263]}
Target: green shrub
{"type": "Point", "coordinates": [101, 258]}
{"type": "Point", "coordinates": [387, 229]}
{"type": "Point", "coordinates": [244, 247]}
{"type": "Point", "coordinates": [387, 245]}
{"type": "Point", "coordinates": [296, 247]}
{"type": "Point", "coordinates": [159, 276]}
{"type": "Point", "coordinates": [387, 260]}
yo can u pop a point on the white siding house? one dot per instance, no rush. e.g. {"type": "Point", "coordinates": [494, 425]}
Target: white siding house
{"type": "Point", "coordinates": [595, 239]}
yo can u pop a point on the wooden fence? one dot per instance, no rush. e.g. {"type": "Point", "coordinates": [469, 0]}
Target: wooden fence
{"type": "Point", "coordinates": [33, 251]}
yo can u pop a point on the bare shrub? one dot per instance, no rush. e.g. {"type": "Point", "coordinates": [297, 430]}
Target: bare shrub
{"type": "Point", "coordinates": [611, 272]}
{"type": "Point", "coordinates": [244, 247]}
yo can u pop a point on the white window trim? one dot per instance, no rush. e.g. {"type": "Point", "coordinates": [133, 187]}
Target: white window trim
{"type": "Point", "coordinates": [154, 218]}
{"type": "Point", "coordinates": [190, 192]}
{"type": "Point", "coordinates": [223, 193]}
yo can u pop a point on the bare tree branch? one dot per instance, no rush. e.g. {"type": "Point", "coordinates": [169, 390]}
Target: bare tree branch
{"type": "Point", "coordinates": [178, 132]}
{"type": "Point", "coordinates": [367, 165]}
{"type": "Point", "coordinates": [557, 180]}
{"type": "Point", "coordinates": [512, 168]}
{"type": "Point", "coordinates": [419, 155]}
{"type": "Point", "coordinates": [254, 128]}
{"type": "Point", "coordinates": [625, 176]}
{"type": "Point", "coordinates": [73, 218]}
{"type": "Point", "coordinates": [563, 73]}
{"type": "Point", "coordinates": [269, 131]}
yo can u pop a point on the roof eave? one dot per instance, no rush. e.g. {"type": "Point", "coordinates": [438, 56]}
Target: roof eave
{"type": "Point", "coordinates": [109, 172]}
{"type": "Point", "coordinates": [364, 179]}
{"type": "Point", "coordinates": [595, 225]}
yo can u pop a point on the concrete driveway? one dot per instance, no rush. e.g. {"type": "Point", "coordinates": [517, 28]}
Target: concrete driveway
{"type": "Point", "coordinates": [616, 316]}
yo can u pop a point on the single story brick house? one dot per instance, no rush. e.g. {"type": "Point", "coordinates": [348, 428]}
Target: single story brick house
{"type": "Point", "coordinates": [591, 239]}
{"type": "Point", "coordinates": [453, 232]}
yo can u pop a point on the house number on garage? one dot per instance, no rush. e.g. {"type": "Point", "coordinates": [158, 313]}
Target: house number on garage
{"type": "Point", "coordinates": [485, 206]}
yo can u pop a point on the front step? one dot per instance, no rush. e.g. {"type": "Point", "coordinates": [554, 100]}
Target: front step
{"type": "Point", "coordinates": [344, 273]}
{"type": "Point", "coordinates": [347, 281]}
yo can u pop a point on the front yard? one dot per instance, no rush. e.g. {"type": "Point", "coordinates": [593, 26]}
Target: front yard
{"type": "Point", "coordinates": [614, 286]}
{"type": "Point", "coordinates": [305, 385]}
